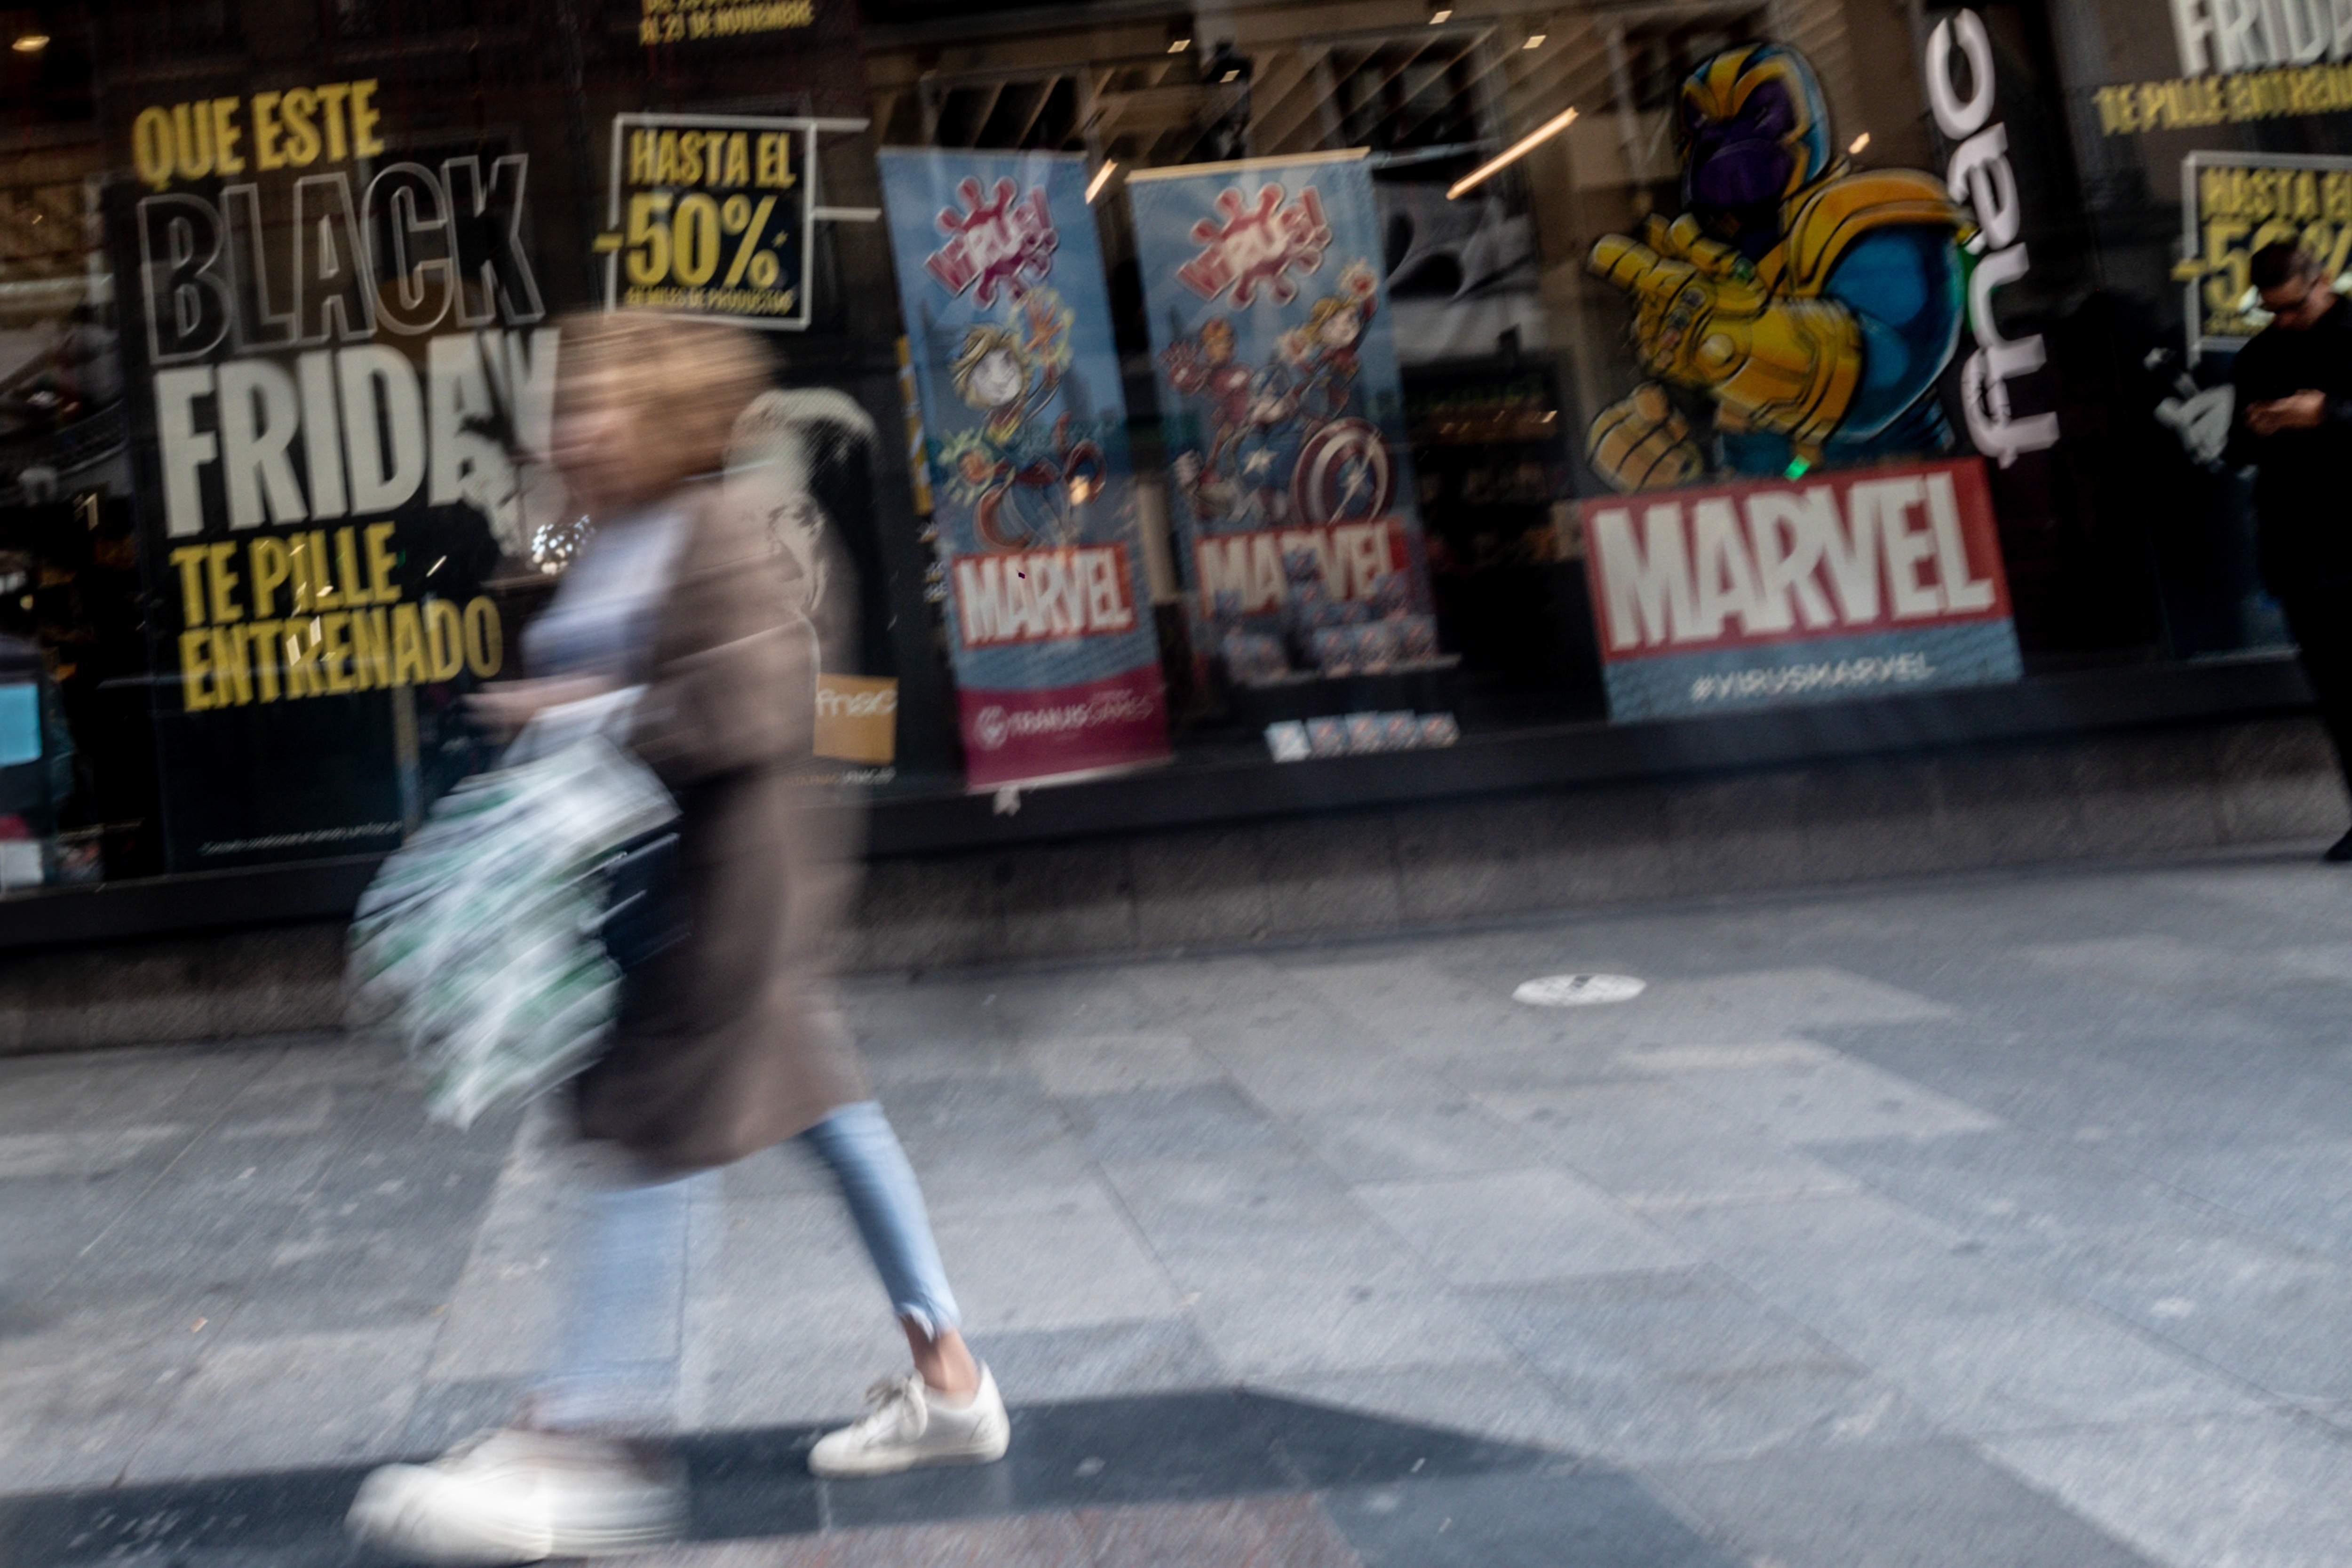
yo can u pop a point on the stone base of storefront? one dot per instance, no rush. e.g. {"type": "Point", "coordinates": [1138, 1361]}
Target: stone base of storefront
{"type": "Point", "coordinates": [2118, 795]}
{"type": "Point", "coordinates": [2173, 792]}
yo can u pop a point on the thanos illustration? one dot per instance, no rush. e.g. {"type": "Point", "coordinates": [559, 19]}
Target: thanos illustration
{"type": "Point", "coordinates": [1798, 311]}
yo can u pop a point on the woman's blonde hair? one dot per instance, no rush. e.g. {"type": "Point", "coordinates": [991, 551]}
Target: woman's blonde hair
{"type": "Point", "coordinates": [688, 380]}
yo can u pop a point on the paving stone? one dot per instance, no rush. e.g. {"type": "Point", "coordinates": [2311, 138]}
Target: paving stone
{"type": "Point", "coordinates": [1267, 1211]}
{"type": "Point", "coordinates": [1358, 1320]}
{"type": "Point", "coordinates": [989, 1143]}
{"type": "Point", "coordinates": [1075, 1262]}
{"type": "Point", "coordinates": [1087, 1002]}
{"type": "Point", "coordinates": [94, 1152]}
{"type": "Point", "coordinates": [1681, 1322]}
{"type": "Point", "coordinates": [447, 1413]}
{"type": "Point", "coordinates": [1238, 1534]}
{"type": "Point", "coordinates": [1674, 1365]}
{"type": "Point", "coordinates": [1109, 1064]}
{"type": "Point", "coordinates": [1422, 1010]}
{"type": "Point", "coordinates": [1143, 1355]}
{"type": "Point", "coordinates": [2300, 1193]}
{"type": "Point", "coordinates": [1203, 1121]}
{"type": "Point", "coordinates": [1922, 1505]}
{"type": "Point", "coordinates": [1485, 1399]}
{"type": "Point", "coordinates": [892, 1011]}
{"type": "Point", "coordinates": [1040, 1542]}
{"type": "Point", "coordinates": [1404, 1142]}
{"type": "Point", "coordinates": [78, 1426]}
{"type": "Point", "coordinates": [83, 1383]}
{"type": "Point", "coordinates": [2264, 1492]}
{"type": "Point", "coordinates": [1979, 1346]}
{"type": "Point", "coordinates": [1519, 1522]}
{"type": "Point", "coordinates": [1517, 1226]}
{"type": "Point", "coordinates": [789, 1324]}
{"type": "Point", "coordinates": [1304, 1062]}
{"type": "Point", "coordinates": [288, 1402]}
{"type": "Point", "coordinates": [2274, 1319]}
{"type": "Point", "coordinates": [1652, 1146]}
{"type": "Point", "coordinates": [1834, 1101]}
{"type": "Point", "coordinates": [2219, 1286]}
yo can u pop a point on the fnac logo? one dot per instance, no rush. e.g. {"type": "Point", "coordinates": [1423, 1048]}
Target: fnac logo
{"type": "Point", "coordinates": [857, 719]}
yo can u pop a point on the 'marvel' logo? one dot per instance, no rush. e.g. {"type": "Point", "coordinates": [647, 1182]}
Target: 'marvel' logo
{"type": "Point", "coordinates": [1038, 594]}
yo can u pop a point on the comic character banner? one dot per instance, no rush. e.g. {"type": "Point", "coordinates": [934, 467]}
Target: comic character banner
{"type": "Point", "coordinates": [1799, 312]}
{"type": "Point", "coordinates": [1292, 485]}
{"type": "Point", "coordinates": [1008, 320]}
{"type": "Point", "coordinates": [1739, 596]}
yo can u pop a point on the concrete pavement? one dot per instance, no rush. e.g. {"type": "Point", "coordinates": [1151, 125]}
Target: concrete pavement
{"type": "Point", "coordinates": [1998, 1220]}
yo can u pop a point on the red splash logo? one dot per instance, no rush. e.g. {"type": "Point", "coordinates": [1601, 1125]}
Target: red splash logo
{"type": "Point", "coordinates": [996, 241]}
{"type": "Point", "coordinates": [1258, 244]}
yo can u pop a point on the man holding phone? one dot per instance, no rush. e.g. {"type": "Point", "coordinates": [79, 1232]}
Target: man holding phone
{"type": "Point", "coordinates": [2293, 384]}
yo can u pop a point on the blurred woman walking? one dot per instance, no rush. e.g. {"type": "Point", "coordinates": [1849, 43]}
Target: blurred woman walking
{"type": "Point", "coordinates": [727, 1041]}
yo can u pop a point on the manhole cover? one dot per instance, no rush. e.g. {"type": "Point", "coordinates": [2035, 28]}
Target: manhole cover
{"type": "Point", "coordinates": [1578, 990]}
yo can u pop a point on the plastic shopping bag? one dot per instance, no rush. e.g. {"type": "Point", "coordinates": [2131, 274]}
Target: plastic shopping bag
{"type": "Point", "coordinates": [479, 945]}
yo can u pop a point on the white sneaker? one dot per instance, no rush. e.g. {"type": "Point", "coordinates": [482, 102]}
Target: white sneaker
{"type": "Point", "coordinates": [515, 1496]}
{"type": "Point", "coordinates": [909, 1426]}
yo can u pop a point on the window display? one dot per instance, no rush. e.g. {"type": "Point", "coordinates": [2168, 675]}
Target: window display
{"type": "Point", "coordinates": [1278, 382]}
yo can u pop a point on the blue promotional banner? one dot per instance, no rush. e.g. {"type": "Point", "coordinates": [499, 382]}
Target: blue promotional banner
{"type": "Point", "coordinates": [1290, 482]}
{"type": "Point", "coordinates": [1008, 322]}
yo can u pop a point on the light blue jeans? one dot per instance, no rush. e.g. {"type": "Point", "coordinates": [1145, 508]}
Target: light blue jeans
{"type": "Point", "coordinates": [621, 1339]}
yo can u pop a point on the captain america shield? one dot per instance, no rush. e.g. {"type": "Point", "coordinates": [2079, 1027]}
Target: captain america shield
{"type": "Point", "coordinates": [1343, 474]}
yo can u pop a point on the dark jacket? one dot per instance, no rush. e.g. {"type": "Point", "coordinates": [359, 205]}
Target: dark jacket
{"type": "Point", "coordinates": [2303, 479]}
{"type": "Point", "coordinates": [730, 1041]}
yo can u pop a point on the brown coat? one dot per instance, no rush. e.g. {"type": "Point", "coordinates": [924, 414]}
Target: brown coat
{"type": "Point", "coordinates": [729, 1041]}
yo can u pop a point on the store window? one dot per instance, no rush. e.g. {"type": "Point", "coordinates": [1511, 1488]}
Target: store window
{"type": "Point", "coordinates": [78, 786]}
{"type": "Point", "coordinates": [1729, 366]}
{"type": "Point", "coordinates": [1285, 380]}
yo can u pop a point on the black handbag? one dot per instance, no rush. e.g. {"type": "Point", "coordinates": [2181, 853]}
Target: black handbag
{"type": "Point", "coordinates": [645, 910]}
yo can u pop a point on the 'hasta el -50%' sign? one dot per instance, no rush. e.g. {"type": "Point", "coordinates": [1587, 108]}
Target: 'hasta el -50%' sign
{"type": "Point", "coordinates": [711, 215]}
{"type": "Point", "coordinates": [2233, 204]}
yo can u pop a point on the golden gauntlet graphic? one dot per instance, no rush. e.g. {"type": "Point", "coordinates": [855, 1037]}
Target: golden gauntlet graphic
{"type": "Point", "coordinates": [1701, 320]}
{"type": "Point", "coordinates": [1644, 442]}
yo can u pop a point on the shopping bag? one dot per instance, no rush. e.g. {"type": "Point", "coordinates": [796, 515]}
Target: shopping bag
{"type": "Point", "coordinates": [479, 944]}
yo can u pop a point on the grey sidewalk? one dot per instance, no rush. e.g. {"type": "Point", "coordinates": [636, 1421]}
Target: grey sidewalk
{"type": "Point", "coordinates": [2003, 1221]}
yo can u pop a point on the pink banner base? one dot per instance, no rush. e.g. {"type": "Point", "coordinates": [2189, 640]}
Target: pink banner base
{"type": "Point", "coordinates": [1034, 737]}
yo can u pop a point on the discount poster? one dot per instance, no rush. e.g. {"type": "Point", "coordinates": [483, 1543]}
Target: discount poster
{"type": "Point", "coordinates": [334, 358]}
{"type": "Point", "coordinates": [1292, 485]}
{"type": "Point", "coordinates": [710, 216]}
{"type": "Point", "coordinates": [1008, 323]}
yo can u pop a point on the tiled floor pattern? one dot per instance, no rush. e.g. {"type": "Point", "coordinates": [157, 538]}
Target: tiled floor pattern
{"type": "Point", "coordinates": [1996, 1220]}
{"type": "Point", "coordinates": [1214, 1477]}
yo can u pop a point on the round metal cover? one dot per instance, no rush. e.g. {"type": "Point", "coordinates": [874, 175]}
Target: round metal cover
{"type": "Point", "coordinates": [1578, 990]}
